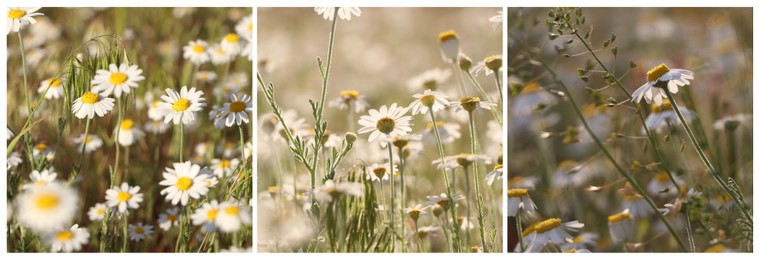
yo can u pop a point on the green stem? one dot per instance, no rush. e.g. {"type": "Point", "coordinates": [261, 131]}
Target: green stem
{"type": "Point", "coordinates": [181, 140]}
{"type": "Point", "coordinates": [449, 189]}
{"type": "Point", "coordinates": [480, 217]}
{"type": "Point", "coordinates": [242, 145]}
{"type": "Point", "coordinates": [23, 68]}
{"type": "Point", "coordinates": [116, 141]}
{"type": "Point", "coordinates": [84, 146]}
{"type": "Point", "coordinates": [485, 96]}
{"type": "Point", "coordinates": [457, 71]}
{"type": "Point", "coordinates": [403, 191]}
{"type": "Point", "coordinates": [519, 229]}
{"type": "Point", "coordinates": [392, 192]}
{"type": "Point", "coordinates": [688, 228]}
{"type": "Point", "coordinates": [498, 84]}
{"type": "Point", "coordinates": [125, 241]}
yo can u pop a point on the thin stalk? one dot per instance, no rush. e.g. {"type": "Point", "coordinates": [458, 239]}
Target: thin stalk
{"type": "Point", "coordinates": [498, 84]}
{"type": "Point", "coordinates": [518, 220]}
{"type": "Point", "coordinates": [125, 232]}
{"type": "Point", "coordinates": [441, 152]}
{"type": "Point", "coordinates": [392, 192]}
{"type": "Point", "coordinates": [732, 156]}
{"type": "Point", "coordinates": [468, 238]}
{"type": "Point", "coordinates": [23, 68]}
{"type": "Point", "coordinates": [116, 141]}
{"type": "Point", "coordinates": [242, 145]}
{"type": "Point", "coordinates": [485, 96]}
{"type": "Point", "coordinates": [480, 217]}
{"type": "Point", "coordinates": [457, 71]}
{"type": "Point", "coordinates": [403, 194]}
{"type": "Point", "coordinates": [84, 145]}
{"type": "Point", "coordinates": [688, 228]}
{"type": "Point", "coordinates": [181, 140]}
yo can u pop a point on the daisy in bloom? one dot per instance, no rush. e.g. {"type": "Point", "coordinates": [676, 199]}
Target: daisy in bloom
{"type": "Point", "coordinates": [196, 51]}
{"type": "Point", "coordinates": [385, 123]}
{"type": "Point", "coordinates": [92, 143]}
{"type": "Point", "coordinates": [443, 201]}
{"type": "Point", "coordinates": [42, 150]}
{"type": "Point", "coordinates": [206, 76]}
{"type": "Point", "coordinates": [40, 179]}
{"type": "Point", "coordinates": [97, 212]}
{"type": "Point", "coordinates": [449, 46]}
{"type": "Point", "coordinates": [236, 111]}
{"type": "Point", "coordinates": [248, 51]}
{"type": "Point", "coordinates": [461, 160]}
{"type": "Point", "coordinates": [206, 215]}
{"type": "Point", "coordinates": [661, 186]}
{"type": "Point", "coordinates": [489, 65]}
{"type": "Point", "coordinates": [732, 122]}
{"type": "Point", "coordinates": [245, 27]}
{"type": "Point", "coordinates": [581, 241]}
{"type": "Point", "coordinates": [68, 240]}
{"type": "Point", "coordinates": [449, 132]}
{"type": "Point", "coordinates": [181, 106]}
{"type": "Point", "coordinates": [471, 103]}
{"type": "Point", "coordinates": [219, 55]}
{"type": "Point", "coordinates": [123, 197]}
{"type": "Point", "coordinates": [658, 78]}
{"type": "Point", "coordinates": [621, 226]}
{"type": "Point", "coordinates": [416, 211]}
{"type": "Point", "coordinates": [331, 190]}
{"type": "Point", "coordinates": [36, 206]}
{"type": "Point", "coordinates": [140, 232]}
{"type": "Point", "coordinates": [232, 215]}
{"type": "Point", "coordinates": [429, 100]}
{"type": "Point", "coordinates": [14, 159]}
{"type": "Point", "coordinates": [117, 80]}
{"type": "Point", "coordinates": [53, 87]}
{"type": "Point", "coordinates": [662, 116]}
{"type": "Point", "coordinates": [345, 13]}
{"type": "Point", "coordinates": [551, 231]}
{"type": "Point", "coordinates": [496, 173]}
{"type": "Point", "coordinates": [431, 79]}
{"type": "Point", "coordinates": [519, 199]}
{"type": "Point", "coordinates": [169, 219]}
{"type": "Point", "coordinates": [223, 167]}
{"type": "Point", "coordinates": [380, 172]}
{"type": "Point", "coordinates": [634, 202]}
{"type": "Point", "coordinates": [184, 181]}
{"type": "Point", "coordinates": [496, 20]}
{"type": "Point", "coordinates": [90, 104]}
{"type": "Point", "coordinates": [128, 132]}
{"type": "Point", "coordinates": [231, 44]}
{"type": "Point", "coordinates": [351, 100]}
{"type": "Point", "coordinates": [19, 16]}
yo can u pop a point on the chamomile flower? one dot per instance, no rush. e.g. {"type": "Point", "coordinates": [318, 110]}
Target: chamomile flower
{"type": "Point", "coordinates": [128, 132]}
{"type": "Point", "coordinates": [416, 211]}
{"type": "Point", "coordinates": [224, 167]}
{"type": "Point", "coordinates": [42, 150]}
{"type": "Point", "coordinates": [429, 100]}
{"type": "Point", "coordinates": [449, 132]}
{"type": "Point", "coordinates": [36, 206]}
{"type": "Point", "coordinates": [496, 20]}
{"type": "Point", "coordinates": [380, 172]}
{"type": "Point", "coordinates": [621, 226]}
{"type": "Point", "coordinates": [20, 16]}
{"type": "Point", "coordinates": [117, 80]}
{"type": "Point", "coordinates": [206, 215]}
{"type": "Point", "coordinates": [184, 181]}
{"type": "Point", "coordinates": [351, 100]}
{"type": "Point", "coordinates": [635, 202]}
{"type": "Point", "coordinates": [181, 106]}
{"type": "Point", "coordinates": [345, 13]}
{"type": "Point", "coordinates": [497, 173]}
{"type": "Point", "coordinates": [14, 159]}
{"type": "Point", "coordinates": [581, 241]}
{"type": "Point", "coordinates": [662, 116]}
{"type": "Point", "coordinates": [236, 111]}
{"type": "Point", "coordinates": [245, 27]}
{"type": "Point", "coordinates": [471, 103]}
{"type": "Point", "coordinates": [449, 46]}
{"type": "Point", "coordinates": [206, 76]}
{"type": "Point", "coordinates": [196, 51]}
{"type": "Point", "coordinates": [40, 179]}
{"type": "Point", "coordinates": [91, 143]}
{"type": "Point", "coordinates": [662, 77]}
{"type": "Point", "coordinates": [430, 79]}
{"type": "Point", "coordinates": [169, 219]}
{"type": "Point", "coordinates": [331, 190]}
{"type": "Point", "coordinates": [67, 240]}
{"type": "Point", "coordinates": [232, 215]}
{"type": "Point", "coordinates": [519, 199]}
{"type": "Point", "coordinates": [443, 201]}
{"type": "Point", "coordinates": [461, 160]}
{"type": "Point", "coordinates": [231, 44]}
{"type": "Point", "coordinates": [553, 231]}
{"type": "Point", "coordinates": [53, 86]}
{"type": "Point", "coordinates": [732, 122]}
{"type": "Point", "coordinates": [385, 123]}
{"type": "Point", "coordinates": [219, 55]}
{"type": "Point", "coordinates": [123, 197]}
{"type": "Point", "coordinates": [661, 186]}
{"type": "Point", "coordinates": [140, 232]}
{"type": "Point", "coordinates": [489, 65]}
{"type": "Point", "coordinates": [97, 212]}
{"type": "Point", "coordinates": [90, 104]}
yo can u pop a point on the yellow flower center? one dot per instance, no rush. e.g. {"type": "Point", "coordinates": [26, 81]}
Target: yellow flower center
{"type": "Point", "coordinates": [90, 98]}
{"type": "Point", "coordinates": [118, 78]}
{"type": "Point", "coordinates": [547, 225]}
{"type": "Point", "coordinates": [273, 189]}
{"type": "Point", "coordinates": [724, 198]}
{"type": "Point", "coordinates": [499, 166]}
{"type": "Point", "coordinates": [464, 159]}
{"type": "Point", "coordinates": [380, 172]}
{"type": "Point", "coordinates": [250, 27]}
{"type": "Point", "coordinates": [224, 164]}
{"type": "Point", "coordinates": [386, 125]}
{"type": "Point", "coordinates": [349, 94]}
{"type": "Point", "coordinates": [470, 103]}
{"type": "Point", "coordinates": [414, 214]}
{"type": "Point", "coordinates": [184, 183]}
{"type": "Point", "coordinates": [657, 72]}
{"type": "Point", "coordinates": [181, 105]}
{"type": "Point", "coordinates": [532, 87]}
{"type": "Point", "coordinates": [718, 248]}
{"type": "Point", "coordinates": [123, 196]}
{"type": "Point", "coordinates": [41, 147]}
{"type": "Point", "coordinates": [662, 177]}
{"type": "Point", "coordinates": [100, 211]}
{"type": "Point", "coordinates": [54, 83]}
{"type": "Point", "coordinates": [64, 235]}
{"type": "Point", "coordinates": [619, 216]}
{"type": "Point", "coordinates": [127, 124]}
{"type": "Point", "coordinates": [211, 215]}
{"type": "Point", "coordinates": [16, 13]}
{"type": "Point", "coordinates": [236, 106]}
{"type": "Point", "coordinates": [47, 201]}
{"type": "Point", "coordinates": [571, 250]}
{"type": "Point", "coordinates": [578, 239]}
{"type": "Point", "coordinates": [512, 193]}
{"type": "Point", "coordinates": [198, 48]}
{"type": "Point", "coordinates": [447, 35]}
{"type": "Point", "coordinates": [139, 230]}
{"type": "Point", "coordinates": [40, 183]}
{"type": "Point", "coordinates": [438, 124]}
{"type": "Point", "coordinates": [155, 104]}
{"type": "Point", "coordinates": [231, 37]}
{"type": "Point", "coordinates": [172, 218]}
{"type": "Point", "coordinates": [89, 139]}
{"type": "Point", "coordinates": [493, 62]}
{"type": "Point", "coordinates": [233, 210]}
{"type": "Point", "coordinates": [427, 100]}
{"type": "Point", "coordinates": [665, 105]}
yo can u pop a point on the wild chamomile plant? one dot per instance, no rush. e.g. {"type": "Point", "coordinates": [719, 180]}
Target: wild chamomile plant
{"type": "Point", "coordinates": [656, 147]}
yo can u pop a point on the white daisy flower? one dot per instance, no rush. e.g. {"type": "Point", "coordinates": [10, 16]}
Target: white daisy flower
{"type": "Point", "coordinates": [449, 46]}
{"type": "Point", "coordinates": [197, 52]}
{"type": "Point", "coordinates": [519, 199]}
{"type": "Point", "coordinates": [449, 132]}
{"type": "Point", "coordinates": [206, 215]}
{"type": "Point", "coordinates": [55, 89]}
{"type": "Point", "coordinates": [237, 81]}
{"type": "Point", "coordinates": [621, 227]}
{"type": "Point", "coordinates": [472, 103]}
{"type": "Point", "coordinates": [36, 206]}
{"type": "Point", "coordinates": [416, 211]}
{"type": "Point", "coordinates": [433, 100]}
{"type": "Point", "coordinates": [380, 172]}
{"type": "Point", "coordinates": [42, 150]}
{"type": "Point", "coordinates": [732, 122]}
{"type": "Point", "coordinates": [117, 80]}
{"type": "Point", "coordinates": [140, 232]}
{"type": "Point", "coordinates": [90, 104]}
{"type": "Point", "coordinates": [181, 105]}
{"type": "Point", "coordinates": [92, 143]}
{"type": "Point", "coordinates": [331, 190]}
{"type": "Point", "coordinates": [248, 51]}
{"type": "Point", "coordinates": [236, 111]}
{"type": "Point", "coordinates": [169, 219]}
{"type": "Point", "coordinates": [443, 201]}
{"type": "Point", "coordinates": [345, 13]}
{"type": "Point", "coordinates": [123, 197]}
{"type": "Point", "coordinates": [231, 44]}
{"type": "Point", "coordinates": [662, 116]}
{"type": "Point", "coordinates": [496, 20]}
{"type": "Point", "coordinates": [19, 16]}
{"type": "Point", "coordinates": [67, 240]}
{"type": "Point", "coordinates": [223, 167]}
{"type": "Point", "coordinates": [661, 186]}
{"type": "Point", "coordinates": [14, 159]}
{"type": "Point", "coordinates": [40, 179]}
{"type": "Point", "coordinates": [658, 78]}
{"type": "Point", "coordinates": [128, 132]}
{"type": "Point", "coordinates": [430, 79]}
{"type": "Point", "coordinates": [245, 28]}
{"type": "Point", "coordinates": [551, 231]}
{"type": "Point", "coordinates": [385, 123]}
{"type": "Point", "coordinates": [206, 76]}
{"type": "Point", "coordinates": [351, 100]}
{"type": "Point", "coordinates": [232, 215]}
{"type": "Point", "coordinates": [581, 241]}
{"type": "Point", "coordinates": [634, 202]}
{"type": "Point", "coordinates": [184, 181]}
{"type": "Point", "coordinates": [219, 55]}
{"type": "Point", "coordinates": [497, 173]}
{"type": "Point", "coordinates": [97, 212]}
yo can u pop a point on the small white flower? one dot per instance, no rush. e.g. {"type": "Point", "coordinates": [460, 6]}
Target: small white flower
{"type": "Point", "coordinates": [53, 86]}
{"type": "Point", "coordinates": [621, 227]}
{"type": "Point", "coordinates": [231, 44]}
{"type": "Point", "coordinates": [497, 173]}
{"type": "Point", "coordinates": [448, 131]}
{"type": "Point", "coordinates": [19, 16]}
{"type": "Point", "coordinates": [90, 104]}
{"type": "Point", "coordinates": [169, 219]}
{"type": "Point", "coordinates": [658, 78]}
{"type": "Point", "coordinates": [156, 126]}
{"type": "Point", "coordinates": [206, 76]}
{"type": "Point", "coordinates": [123, 197]}
{"type": "Point", "coordinates": [345, 13]}
{"type": "Point", "coordinates": [117, 80]}
{"type": "Point", "coordinates": [92, 143]}
{"type": "Point", "coordinates": [351, 100]}
{"type": "Point", "coordinates": [184, 181]}
{"type": "Point", "coordinates": [40, 179]}
{"type": "Point", "coordinates": [385, 123]}
{"type": "Point", "coordinates": [232, 215]}
{"type": "Point", "coordinates": [219, 55]}
{"type": "Point", "coordinates": [197, 52]}
{"type": "Point", "coordinates": [519, 199]}
{"type": "Point", "coordinates": [128, 132]}
{"type": "Point", "coordinates": [449, 46]}
{"type": "Point", "coordinates": [429, 100]}
{"type": "Point", "coordinates": [662, 116]}
{"type": "Point", "coordinates": [14, 159]}
{"type": "Point", "coordinates": [245, 27]}
{"type": "Point", "coordinates": [380, 172]}
{"type": "Point", "coordinates": [36, 206]}
{"type": "Point", "coordinates": [97, 212]}
{"type": "Point", "coordinates": [430, 79]}
{"type": "Point", "coordinates": [181, 106]}
{"type": "Point", "coordinates": [550, 230]}
{"type": "Point", "coordinates": [236, 111]}
{"type": "Point", "coordinates": [732, 122]}
{"type": "Point", "coordinates": [67, 240]}
{"type": "Point", "coordinates": [223, 167]}
{"type": "Point", "coordinates": [331, 190]}
{"type": "Point", "coordinates": [140, 232]}
{"type": "Point", "coordinates": [206, 215]}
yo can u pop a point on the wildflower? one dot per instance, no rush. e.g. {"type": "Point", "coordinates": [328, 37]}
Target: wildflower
{"type": "Point", "coordinates": [449, 132]}
{"type": "Point", "coordinates": [53, 86]}
{"type": "Point", "coordinates": [380, 172]}
{"type": "Point", "coordinates": [40, 179]}
{"type": "Point", "coordinates": [471, 103]}
{"type": "Point", "coordinates": [19, 16]}
{"type": "Point", "coordinates": [732, 122]}
{"type": "Point", "coordinates": [331, 190]}
{"type": "Point", "coordinates": [206, 76]}
{"type": "Point", "coordinates": [123, 196]}
{"type": "Point", "coordinates": [662, 186]}
{"type": "Point", "coordinates": [581, 241]}
{"type": "Point", "coordinates": [551, 231]}
{"type": "Point", "coordinates": [181, 105]}
{"type": "Point", "coordinates": [496, 20]}
{"type": "Point", "coordinates": [90, 104]}
{"type": "Point", "coordinates": [662, 116]}
{"type": "Point", "coordinates": [245, 27]}
{"type": "Point", "coordinates": [236, 111]}
{"type": "Point", "coordinates": [490, 65]}
{"type": "Point", "coordinates": [42, 150]}
{"type": "Point", "coordinates": [197, 52]}
{"type": "Point", "coordinates": [67, 240]}
{"type": "Point", "coordinates": [430, 79]}
{"type": "Point", "coordinates": [140, 232]}
{"type": "Point", "coordinates": [169, 219]}
{"type": "Point", "coordinates": [443, 201]}
{"type": "Point", "coordinates": [223, 167]}
{"type": "Point", "coordinates": [719, 248]}
{"type": "Point", "coordinates": [461, 160]}
{"type": "Point", "coordinates": [429, 100]}
{"type": "Point", "coordinates": [231, 216]}
{"type": "Point", "coordinates": [658, 78]}
{"type": "Point", "coordinates": [97, 212]}
{"type": "Point", "coordinates": [206, 215]}
{"type": "Point", "coordinates": [385, 123]}
{"type": "Point", "coordinates": [496, 173]}
{"type": "Point", "coordinates": [183, 181]}
{"type": "Point", "coordinates": [345, 13]}
{"type": "Point", "coordinates": [519, 199]}
{"type": "Point", "coordinates": [634, 202]}
{"type": "Point", "coordinates": [231, 44]}
{"type": "Point", "coordinates": [91, 143]}
{"type": "Point", "coordinates": [36, 206]}
{"type": "Point", "coordinates": [219, 55]}
{"type": "Point", "coordinates": [416, 211]}
{"type": "Point", "coordinates": [117, 79]}
{"type": "Point", "coordinates": [128, 133]}
{"type": "Point", "coordinates": [621, 226]}
{"type": "Point", "coordinates": [14, 159]}
{"type": "Point", "coordinates": [424, 232]}
{"type": "Point", "coordinates": [351, 100]}
{"type": "Point", "coordinates": [449, 45]}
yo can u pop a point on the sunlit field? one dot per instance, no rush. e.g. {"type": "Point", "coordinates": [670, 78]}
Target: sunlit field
{"type": "Point", "coordinates": [129, 129]}
{"type": "Point", "coordinates": [379, 130]}
{"type": "Point", "coordinates": [630, 130]}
